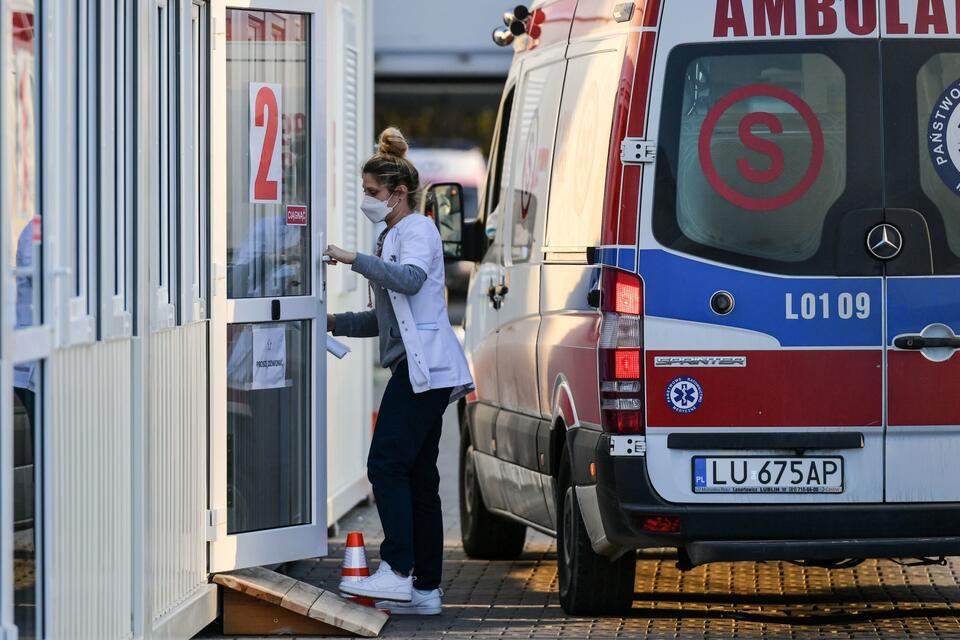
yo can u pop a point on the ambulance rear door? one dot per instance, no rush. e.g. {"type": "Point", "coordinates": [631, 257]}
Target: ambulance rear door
{"type": "Point", "coordinates": [921, 89]}
{"type": "Point", "coordinates": [763, 309]}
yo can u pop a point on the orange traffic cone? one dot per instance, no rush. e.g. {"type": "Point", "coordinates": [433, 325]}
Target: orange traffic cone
{"type": "Point", "coordinates": [354, 565]}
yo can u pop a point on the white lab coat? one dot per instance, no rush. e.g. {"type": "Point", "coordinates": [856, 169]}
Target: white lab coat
{"type": "Point", "coordinates": [435, 356]}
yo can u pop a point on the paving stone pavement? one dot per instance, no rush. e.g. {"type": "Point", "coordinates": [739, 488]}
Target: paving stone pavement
{"type": "Point", "coordinates": [518, 599]}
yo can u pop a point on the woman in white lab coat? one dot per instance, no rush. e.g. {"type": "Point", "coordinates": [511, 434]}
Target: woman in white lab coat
{"type": "Point", "coordinates": [406, 279]}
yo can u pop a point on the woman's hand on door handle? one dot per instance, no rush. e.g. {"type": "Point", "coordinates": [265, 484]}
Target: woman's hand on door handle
{"type": "Point", "coordinates": [337, 254]}
{"type": "Point", "coordinates": [331, 322]}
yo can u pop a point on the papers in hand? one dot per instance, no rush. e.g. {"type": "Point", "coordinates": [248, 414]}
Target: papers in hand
{"type": "Point", "coordinates": [336, 347]}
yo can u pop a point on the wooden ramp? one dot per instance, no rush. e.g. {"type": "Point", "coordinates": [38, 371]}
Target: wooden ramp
{"type": "Point", "coordinates": [258, 601]}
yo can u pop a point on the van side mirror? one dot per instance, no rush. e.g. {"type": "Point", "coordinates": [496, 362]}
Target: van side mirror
{"type": "Point", "coordinates": [443, 203]}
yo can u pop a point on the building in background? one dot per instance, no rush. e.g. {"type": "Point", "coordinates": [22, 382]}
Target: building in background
{"type": "Point", "coordinates": [438, 74]}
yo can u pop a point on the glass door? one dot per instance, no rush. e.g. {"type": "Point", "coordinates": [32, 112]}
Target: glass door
{"type": "Point", "coordinates": [267, 441]}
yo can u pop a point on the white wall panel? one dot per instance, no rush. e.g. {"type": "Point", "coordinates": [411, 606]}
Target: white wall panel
{"type": "Point", "coordinates": [349, 381]}
{"type": "Point", "coordinates": [177, 466]}
{"type": "Point", "coordinates": [89, 531]}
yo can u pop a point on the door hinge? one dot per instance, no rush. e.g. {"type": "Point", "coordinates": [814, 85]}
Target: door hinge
{"type": "Point", "coordinates": [216, 524]}
{"type": "Point", "coordinates": [638, 151]}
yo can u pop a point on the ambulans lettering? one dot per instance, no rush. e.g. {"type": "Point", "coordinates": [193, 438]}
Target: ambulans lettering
{"type": "Point", "coordinates": [760, 18]}
{"type": "Point", "coordinates": [810, 306]}
{"type": "Point", "coordinates": [943, 137]}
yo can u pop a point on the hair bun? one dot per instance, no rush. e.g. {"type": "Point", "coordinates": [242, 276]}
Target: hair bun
{"type": "Point", "coordinates": [392, 143]}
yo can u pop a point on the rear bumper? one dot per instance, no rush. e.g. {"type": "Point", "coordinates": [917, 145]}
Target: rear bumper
{"type": "Point", "coordinates": [729, 550]}
{"type": "Point", "coordinates": [623, 497]}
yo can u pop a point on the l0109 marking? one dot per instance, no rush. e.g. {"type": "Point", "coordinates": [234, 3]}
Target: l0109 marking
{"type": "Point", "coordinates": [812, 306]}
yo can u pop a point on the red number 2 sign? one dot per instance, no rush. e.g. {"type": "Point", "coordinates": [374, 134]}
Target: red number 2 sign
{"type": "Point", "coordinates": [266, 174]}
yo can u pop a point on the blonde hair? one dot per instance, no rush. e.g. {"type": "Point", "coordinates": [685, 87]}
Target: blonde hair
{"type": "Point", "coordinates": [391, 168]}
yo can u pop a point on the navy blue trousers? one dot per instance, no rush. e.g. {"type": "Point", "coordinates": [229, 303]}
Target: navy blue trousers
{"type": "Point", "coordinates": [402, 467]}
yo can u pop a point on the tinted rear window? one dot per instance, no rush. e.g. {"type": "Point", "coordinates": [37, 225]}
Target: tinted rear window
{"type": "Point", "coordinates": [764, 149]}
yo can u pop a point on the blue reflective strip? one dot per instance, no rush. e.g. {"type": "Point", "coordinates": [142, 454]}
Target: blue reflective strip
{"type": "Point", "coordinates": [620, 257]}
{"type": "Point", "coordinates": [680, 288]}
{"type": "Point", "coordinates": [914, 303]}
{"type": "Point", "coordinates": [608, 256]}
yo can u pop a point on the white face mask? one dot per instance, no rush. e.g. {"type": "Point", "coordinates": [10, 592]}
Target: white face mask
{"type": "Point", "coordinates": [375, 210]}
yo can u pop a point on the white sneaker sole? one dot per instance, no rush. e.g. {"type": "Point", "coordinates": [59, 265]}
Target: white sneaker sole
{"type": "Point", "coordinates": [406, 610]}
{"type": "Point", "coordinates": [392, 596]}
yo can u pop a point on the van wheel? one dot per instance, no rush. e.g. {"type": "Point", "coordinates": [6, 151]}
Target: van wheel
{"type": "Point", "coordinates": [486, 536]}
{"type": "Point", "coordinates": [590, 584]}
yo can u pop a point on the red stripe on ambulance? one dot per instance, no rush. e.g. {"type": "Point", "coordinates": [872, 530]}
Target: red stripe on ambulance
{"type": "Point", "coordinates": [778, 388]}
{"type": "Point", "coordinates": [921, 392]}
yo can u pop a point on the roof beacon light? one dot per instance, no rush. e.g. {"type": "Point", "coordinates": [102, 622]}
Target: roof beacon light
{"type": "Point", "coordinates": [502, 37]}
{"type": "Point", "coordinates": [515, 25]}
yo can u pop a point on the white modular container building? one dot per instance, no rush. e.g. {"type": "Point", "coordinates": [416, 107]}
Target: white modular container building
{"type": "Point", "coordinates": [170, 171]}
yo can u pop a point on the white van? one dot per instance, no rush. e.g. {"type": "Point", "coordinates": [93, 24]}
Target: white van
{"type": "Point", "coordinates": [721, 309]}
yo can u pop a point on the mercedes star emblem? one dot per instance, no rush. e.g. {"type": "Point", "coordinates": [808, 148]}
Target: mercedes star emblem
{"type": "Point", "coordinates": [884, 241]}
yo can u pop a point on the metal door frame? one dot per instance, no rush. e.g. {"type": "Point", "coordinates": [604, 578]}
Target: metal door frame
{"type": "Point", "coordinates": [232, 551]}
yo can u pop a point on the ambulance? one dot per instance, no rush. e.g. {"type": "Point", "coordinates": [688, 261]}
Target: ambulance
{"type": "Point", "coordinates": [720, 308]}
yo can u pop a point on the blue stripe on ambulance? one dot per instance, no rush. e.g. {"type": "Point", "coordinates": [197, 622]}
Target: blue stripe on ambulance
{"type": "Point", "coordinates": [914, 303]}
{"type": "Point", "coordinates": [680, 288]}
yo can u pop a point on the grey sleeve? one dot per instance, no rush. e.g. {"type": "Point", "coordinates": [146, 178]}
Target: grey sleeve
{"type": "Point", "coordinates": [402, 278]}
{"type": "Point", "coordinates": [356, 325]}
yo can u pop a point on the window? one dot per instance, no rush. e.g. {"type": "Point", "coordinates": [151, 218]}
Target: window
{"type": "Point", "coordinates": [583, 146]}
{"type": "Point", "coordinates": [194, 231]}
{"type": "Point", "coordinates": [764, 151]}
{"type": "Point", "coordinates": [106, 173]}
{"type": "Point", "coordinates": [25, 214]}
{"type": "Point", "coordinates": [167, 229]}
{"type": "Point", "coordinates": [83, 302]}
{"type": "Point", "coordinates": [180, 233]}
{"type": "Point", "coordinates": [119, 297]}
{"type": "Point", "coordinates": [26, 232]}
{"type": "Point", "coordinates": [492, 189]}
{"type": "Point", "coordinates": [536, 124]}
{"type": "Point", "coordinates": [267, 256]}
{"type": "Point", "coordinates": [936, 86]}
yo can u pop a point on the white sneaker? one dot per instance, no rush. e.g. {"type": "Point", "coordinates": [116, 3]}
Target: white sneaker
{"type": "Point", "coordinates": [384, 584]}
{"type": "Point", "coordinates": [423, 603]}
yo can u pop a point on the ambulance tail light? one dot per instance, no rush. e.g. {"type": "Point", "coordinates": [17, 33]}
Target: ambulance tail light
{"type": "Point", "coordinates": [656, 523]}
{"type": "Point", "coordinates": [620, 352]}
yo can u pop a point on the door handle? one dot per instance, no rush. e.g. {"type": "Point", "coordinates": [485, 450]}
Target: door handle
{"type": "Point", "coordinates": [920, 342]}
{"type": "Point", "coordinates": [496, 294]}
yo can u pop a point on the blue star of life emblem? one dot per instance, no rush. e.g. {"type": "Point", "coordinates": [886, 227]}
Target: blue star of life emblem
{"type": "Point", "coordinates": [684, 394]}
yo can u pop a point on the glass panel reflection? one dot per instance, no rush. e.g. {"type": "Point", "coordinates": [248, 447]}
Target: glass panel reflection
{"type": "Point", "coordinates": [25, 228]}
{"type": "Point", "coordinates": [268, 173]}
{"type": "Point", "coordinates": [25, 405]}
{"type": "Point", "coordinates": [268, 426]}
